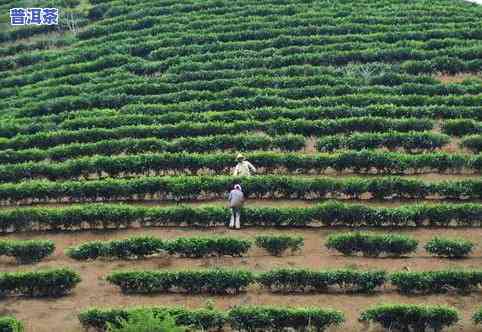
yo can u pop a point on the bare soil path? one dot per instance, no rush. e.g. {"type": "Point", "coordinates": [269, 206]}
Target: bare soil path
{"type": "Point", "coordinates": [42, 315]}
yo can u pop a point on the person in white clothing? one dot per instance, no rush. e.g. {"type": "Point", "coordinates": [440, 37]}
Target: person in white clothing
{"type": "Point", "coordinates": [236, 201]}
{"type": "Point", "coordinates": [244, 167]}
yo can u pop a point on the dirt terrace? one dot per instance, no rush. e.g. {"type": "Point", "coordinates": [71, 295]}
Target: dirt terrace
{"type": "Point", "coordinates": [40, 315]}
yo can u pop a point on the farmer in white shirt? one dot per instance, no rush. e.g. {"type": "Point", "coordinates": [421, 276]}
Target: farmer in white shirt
{"type": "Point", "coordinates": [236, 201]}
{"type": "Point", "coordinates": [244, 167]}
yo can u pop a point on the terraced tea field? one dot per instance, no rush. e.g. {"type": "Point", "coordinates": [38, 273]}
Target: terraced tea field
{"type": "Point", "coordinates": [119, 131]}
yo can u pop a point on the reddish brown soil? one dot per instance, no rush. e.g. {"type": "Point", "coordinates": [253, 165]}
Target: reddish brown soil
{"type": "Point", "coordinates": [41, 315]}
{"type": "Point", "coordinates": [457, 78]}
{"type": "Point", "coordinates": [310, 146]}
{"type": "Point", "coordinates": [454, 146]}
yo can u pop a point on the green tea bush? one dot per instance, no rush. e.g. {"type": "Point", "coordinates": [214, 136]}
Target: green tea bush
{"type": "Point", "coordinates": [202, 319]}
{"type": "Point", "coordinates": [215, 281]}
{"type": "Point", "coordinates": [179, 188]}
{"type": "Point", "coordinates": [406, 317]}
{"type": "Point", "coordinates": [145, 321]}
{"type": "Point", "coordinates": [436, 281]}
{"type": "Point", "coordinates": [140, 113]}
{"type": "Point", "coordinates": [240, 142]}
{"type": "Point", "coordinates": [449, 247]}
{"type": "Point", "coordinates": [328, 214]}
{"type": "Point", "coordinates": [411, 141]}
{"type": "Point", "coordinates": [240, 318]}
{"type": "Point", "coordinates": [477, 318]}
{"type": "Point", "coordinates": [10, 324]}
{"type": "Point", "coordinates": [54, 282]}
{"type": "Point", "coordinates": [191, 129]}
{"type": "Point", "coordinates": [134, 247]}
{"type": "Point", "coordinates": [138, 247]}
{"type": "Point", "coordinates": [124, 166]}
{"type": "Point", "coordinates": [89, 250]}
{"type": "Point", "coordinates": [142, 246]}
{"type": "Point", "coordinates": [372, 245]}
{"type": "Point", "coordinates": [472, 142]}
{"type": "Point", "coordinates": [266, 318]}
{"type": "Point", "coordinates": [196, 247]}
{"type": "Point", "coordinates": [461, 127]}
{"type": "Point", "coordinates": [296, 280]}
{"type": "Point", "coordinates": [276, 245]}
{"type": "Point", "coordinates": [27, 252]}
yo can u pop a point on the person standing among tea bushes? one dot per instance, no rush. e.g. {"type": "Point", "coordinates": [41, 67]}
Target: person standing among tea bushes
{"type": "Point", "coordinates": [236, 201]}
{"type": "Point", "coordinates": [244, 167]}
{"type": "Point", "coordinates": [236, 196]}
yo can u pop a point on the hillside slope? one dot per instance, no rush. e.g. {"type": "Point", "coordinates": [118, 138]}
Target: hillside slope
{"type": "Point", "coordinates": [122, 79]}
{"type": "Point", "coordinates": [145, 104]}
{"type": "Point", "coordinates": [151, 57]}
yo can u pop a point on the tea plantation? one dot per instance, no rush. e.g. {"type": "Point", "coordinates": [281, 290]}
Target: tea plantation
{"type": "Point", "coordinates": [120, 129]}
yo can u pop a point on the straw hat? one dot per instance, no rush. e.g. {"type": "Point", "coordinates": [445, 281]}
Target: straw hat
{"type": "Point", "coordinates": [239, 157]}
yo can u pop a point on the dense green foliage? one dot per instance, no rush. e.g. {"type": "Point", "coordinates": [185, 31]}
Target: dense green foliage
{"type": "Point", "coordinates": [146, 101]}
{"type": "Point", "coordinates": [240, 318]}
{"type": "Point", "coordinates": [411, 141]}
{"type": "Point", "coordinates": [449, 247]}
{"type": "Point", "coordinates": [54, 282]}
{"type": "Point", "coordinates": [332, 213]}
{"type": "Point", "coordinates": [372, 245]}
{"type": "Point", "coordinates": [478, 317]}
{"type": "Point", "coordinates": [150, 114]}
{"type": "Point", "coordinates": [276, 245]}
{"type": "Point", "coordinates": [224, 58]}
{"type": "Point", "coordinates": [222, 74]}
{"type": "Point", "coordinates": [253, 318]}
{"type": "Point", "coordinates": [29, 251]}
{"type": "Point", "coordinates": [203, 319]}
{"type": "Point", "coordinates": [214, 281]}
{"type": "Point", "coordinates": [364, 161]}
{"type": "Point", "coordinates": [10, 324]}
{"type": "Point", "coordinates": [436, 281]}
{"type": "Point", "coordinates": [134, 247]}
{"type": "Point", "coordinates": [44, 140]}
{"type": "Point", "coordinates": [293, 280]}
{"type": "Point", "coordinates": [472, 142]}
{"type": "Point", "coordinates": [196, 247]}
{"type": "Point", "coordinates": [222, 281]}
{"type": "Point", "coordinates": [462, 127]}
{"type": "Point", "coordinates": [180, 188]}
{"type": "Point", "coordinates": [402, 317]}
{"type": "Point", "coordinates": [145, 321]}
{"type": "Point", "coordinates": [141, 246]}
{"type": "Point", "coordinates": [243, 142]}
